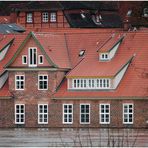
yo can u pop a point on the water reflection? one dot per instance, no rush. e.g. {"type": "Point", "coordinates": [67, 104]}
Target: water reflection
{"type": "Point", "coordinates": [68, 137]}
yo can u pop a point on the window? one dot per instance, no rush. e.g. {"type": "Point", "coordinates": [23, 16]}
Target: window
{"type": "Point", "coordinates": [84, 113]}
{"type": "Point", "coordinates": [43, 82]}
{"type": "Point", "coordinates": [43, 114]}
{"type": "Point", "coordinates": [29, 18]}
{"type": "Point", "coordinates": [40, 59]}
{"type": "Point", "coordinates": [45, 17]}
{"type": "Point", "coordinates": [32, 57]}
{"type": "Point", "coordinates": [104, 113]}
{"type": "Point", "coordinates": [128, 113]}
{"type": "Point", "coordinates": [19, 114]}
{"type": "Point", "coordinates": [24, 59]}
{"type": "Point", "coordinates": [91, 83]}
{"type": "Point", "coordinates": [19, 82]}
{"type": "Point", "coordinates": [53, 17]}
{"type": "Point", "coordinates": [68, 113]}
{"type": "Point", "coordinates": [104, 56]}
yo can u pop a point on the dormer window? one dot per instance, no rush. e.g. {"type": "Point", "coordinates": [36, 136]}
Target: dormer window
{"type": "Point", "coordinates": [104, 56]}
{"type": "Point", "coordinates": [40, 59]}
{"type": "Point", "coordinates": [91, 83]}
{"type": "Point", "coordinates": [29, 18]}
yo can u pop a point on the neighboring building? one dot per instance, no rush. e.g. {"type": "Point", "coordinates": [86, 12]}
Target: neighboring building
{"type": "Point", "coordinates": [47, 15]}
{"type": "Point", "coordinates": [74, 78]}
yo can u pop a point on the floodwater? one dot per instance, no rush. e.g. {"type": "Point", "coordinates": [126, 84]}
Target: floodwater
{"type": "Point", "coordinates": [73, 137]}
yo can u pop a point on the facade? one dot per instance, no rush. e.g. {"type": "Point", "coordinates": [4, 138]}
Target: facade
{"type": "Point", "coordinates": [59, 75]}
{"type": "Point", "coordinates": [57, 80]}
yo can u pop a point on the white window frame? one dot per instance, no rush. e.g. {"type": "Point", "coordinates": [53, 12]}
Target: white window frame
{"type": "Point", "coordinates": [67, 114]}
{"type": "Point", "coordinates": [127, 104]}
{"type": "Point", "coordinates": [24, 56]}
{"type": "Point", "coordinates": [53, 17]}
{"type": "Point", "coordinates": [20, 114]}
{"type": "Point", "coordinates": [104, 56]}
{"type": "Point", "coordinates": [29, 17]}
{"type": "Point", "coordinates": [45, 17]}
{"type": "Point", "coordinates": [104, 113]}
{"type": "Point", "coordinates": [95, 83]}
{"type": "Point", "coordinates": [43, 114]}
{"type": "Point", "coordinates": [42, 80]}
{"type": "Point", "coordinates": [19, 82]}
{"type": "Point", "coordinates": [32, 65]}
{"type": "Point", "coordinates": [42, 59]}
{"type": "Point", "coordinates": [84, 113]}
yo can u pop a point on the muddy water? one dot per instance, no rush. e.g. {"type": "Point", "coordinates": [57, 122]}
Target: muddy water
{"type": "Point", "coordinates": [68, 137]}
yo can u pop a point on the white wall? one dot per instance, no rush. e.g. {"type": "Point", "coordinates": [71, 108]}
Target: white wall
{"type": "Point", "coordinates": [113, 51]}
{"type": "Point", "coordinates": [3, 79]}
{"type": "Point", "coordinates": [119, 76]}
{"type": "Point", "coordinates": [3, 52]}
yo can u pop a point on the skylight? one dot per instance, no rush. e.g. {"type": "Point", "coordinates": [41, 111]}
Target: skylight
{"type": "Point", "coordinates": [81, 53]}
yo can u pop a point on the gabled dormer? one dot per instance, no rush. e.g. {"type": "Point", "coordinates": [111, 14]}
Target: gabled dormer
{"type": "Point", "coordinates": [30, 54]}
{"type": "Point", "coordinates": [109, 48]}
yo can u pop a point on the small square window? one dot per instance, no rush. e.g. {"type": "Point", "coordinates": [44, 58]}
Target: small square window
{"type": "Point", "coordinates": [53, 17]}
{"type": "Point", "coordinates": [45, 17]}
{"type": "Point", "coordinates": [24, 59]}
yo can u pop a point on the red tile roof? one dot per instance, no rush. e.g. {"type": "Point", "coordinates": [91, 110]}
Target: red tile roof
{"type": "Point", "coordinates": [135, 80]}
{"type": "Point", "coordinates": [111, 41]}
{"type": "Point", "coordinates": [66, 55]}
{"type": "Point", "coordinates": [55, 47]}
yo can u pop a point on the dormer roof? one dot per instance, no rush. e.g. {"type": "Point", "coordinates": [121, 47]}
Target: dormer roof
{"type": "Point", "coordinates": [112, 41]}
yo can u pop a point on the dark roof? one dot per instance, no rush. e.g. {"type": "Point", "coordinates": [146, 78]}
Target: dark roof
{"type": "Point", "coordinates": [111, 20]}
{"type": "Point", "coordinates": [40, 5]}
{"type": "Point", "coordinates": [90, 5]}
{"type": "Point", "coordinates": [67, 5]}
{"type": "Point", "coordinates": [10, 28]}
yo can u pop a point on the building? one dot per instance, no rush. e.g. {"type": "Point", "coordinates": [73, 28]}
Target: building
{"type": "Point", "coordinates": [73, 77]}
{"type": "Point", "coordinates": [98, 81]}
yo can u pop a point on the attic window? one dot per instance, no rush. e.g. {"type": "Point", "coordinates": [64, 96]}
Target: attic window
{"type": "Point", "coordinates": [81, 53]}
{"type": "Point", "coordinates": [145, 12]}
{"type": "Point", "coordinates": [104, 56]}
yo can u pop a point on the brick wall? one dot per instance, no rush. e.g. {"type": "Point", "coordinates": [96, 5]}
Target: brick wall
{"type": "Point", "coordinates": [31, 84]}
{"type": "Point", "coordinates": [55, 113]}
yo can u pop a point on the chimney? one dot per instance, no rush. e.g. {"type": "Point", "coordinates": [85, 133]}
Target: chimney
{"type": "Point", "coordinates": [13, 17]}
{"type": "Point", "coordinates": [126, 24]}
